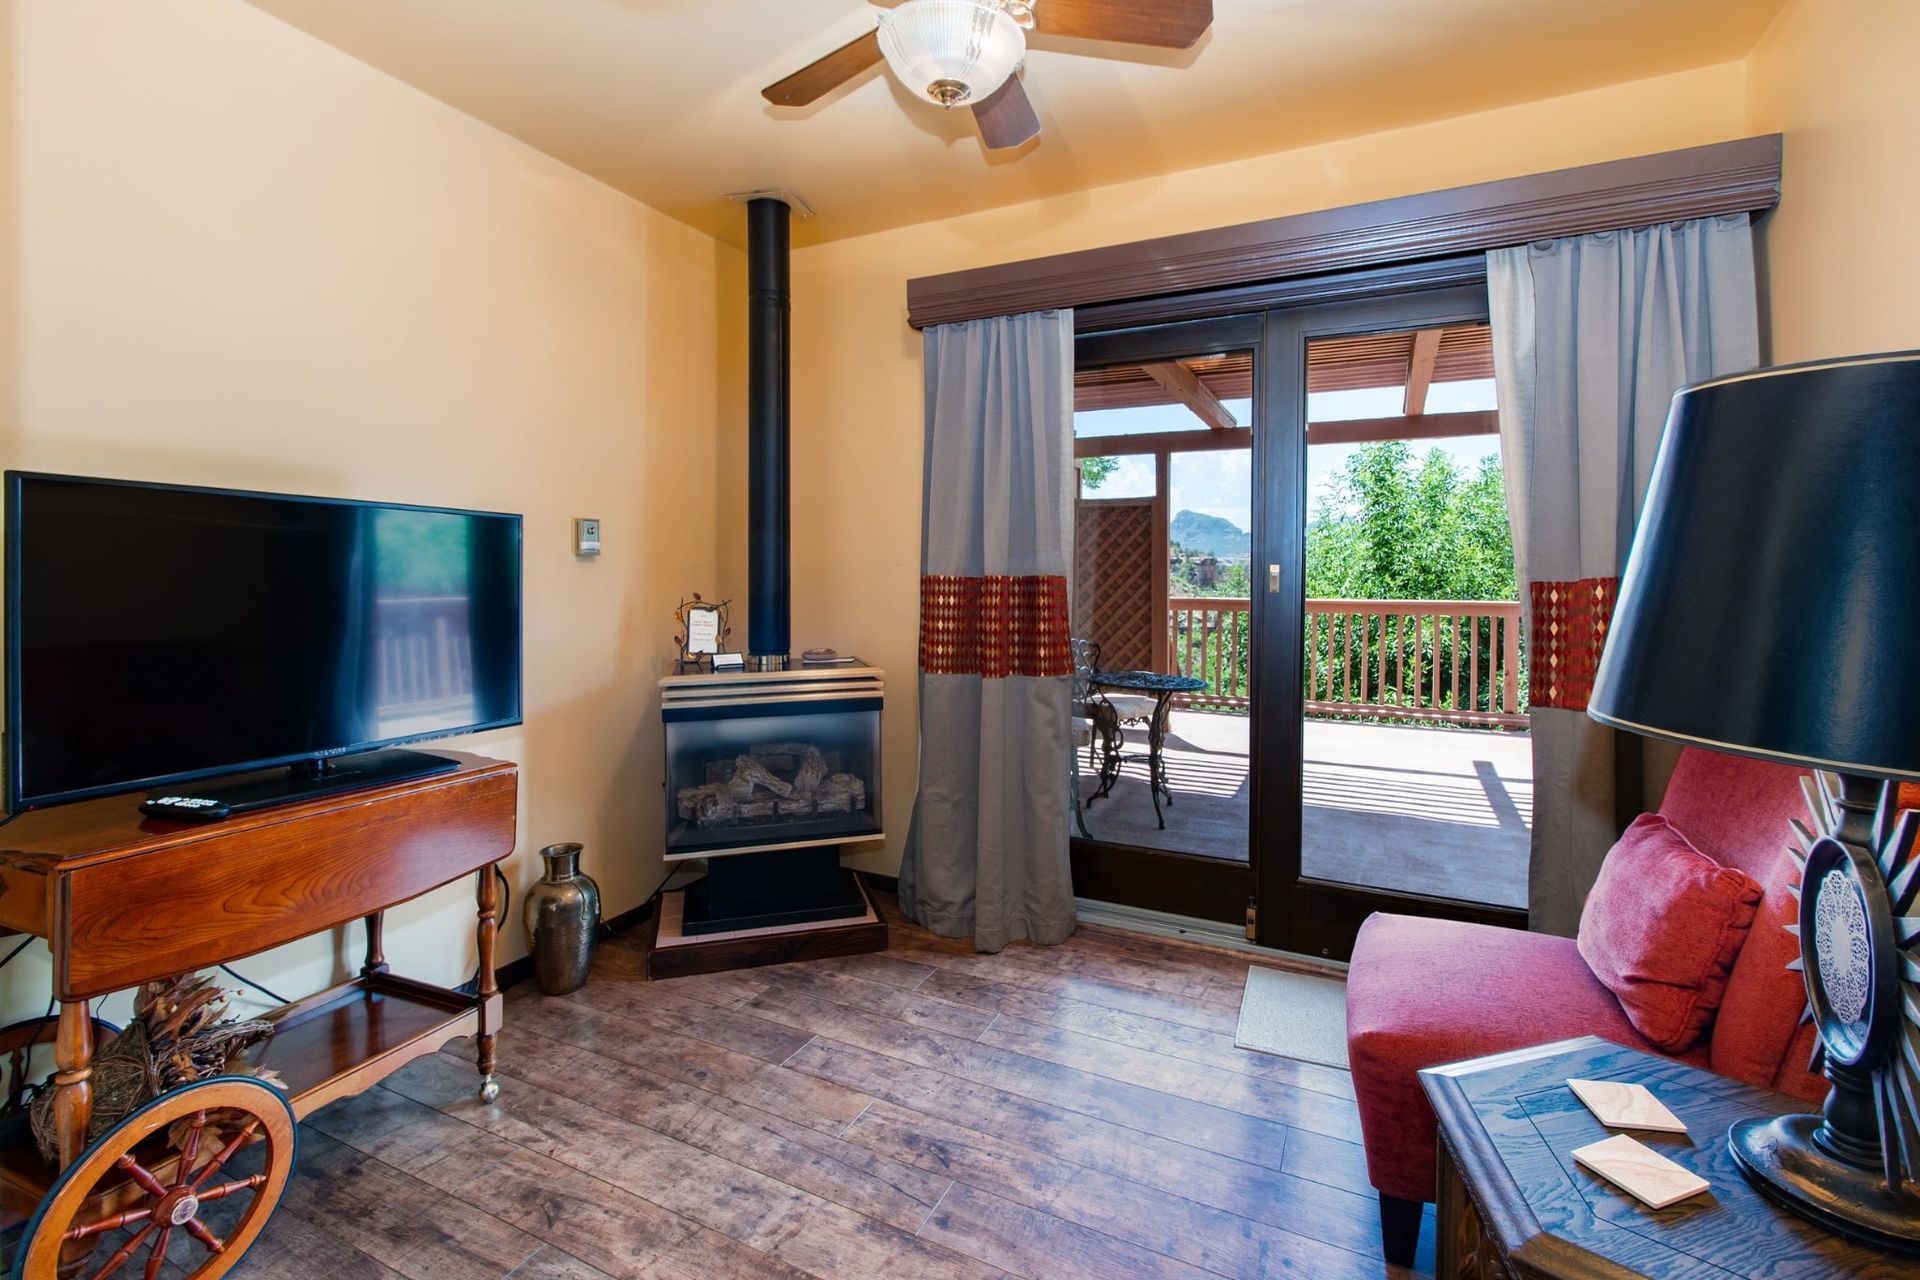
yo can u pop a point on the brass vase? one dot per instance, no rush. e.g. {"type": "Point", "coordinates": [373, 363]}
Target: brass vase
{"type": "Point", "coordinates": [562, 914]}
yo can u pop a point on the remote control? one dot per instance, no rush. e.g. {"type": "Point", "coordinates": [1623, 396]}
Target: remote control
{"type": "Point", "coordinates": [185, 808]}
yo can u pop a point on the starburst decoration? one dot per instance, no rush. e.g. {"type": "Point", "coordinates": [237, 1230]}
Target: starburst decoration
{"type": "Point", "coordinates": [1861, 931]}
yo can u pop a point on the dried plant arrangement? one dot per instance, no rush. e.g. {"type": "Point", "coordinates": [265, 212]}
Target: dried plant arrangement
{"type": "Point", "coordinates": [179, 1033]}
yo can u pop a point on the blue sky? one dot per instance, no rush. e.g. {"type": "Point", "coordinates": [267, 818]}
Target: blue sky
{"type": "Point", "coordinates": [1220, 484]}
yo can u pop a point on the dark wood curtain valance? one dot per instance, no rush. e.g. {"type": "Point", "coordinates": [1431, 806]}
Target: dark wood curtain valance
{"type": "Point", "coordinates": [1698, 182]}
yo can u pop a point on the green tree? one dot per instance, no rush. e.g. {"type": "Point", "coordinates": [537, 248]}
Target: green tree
{"type": "Point", "coordinates": [1391, 526]}
{"type": "Point", "coordinates": [1394, 526]}
{"type": "Point", "coordinates": [1095, 471]}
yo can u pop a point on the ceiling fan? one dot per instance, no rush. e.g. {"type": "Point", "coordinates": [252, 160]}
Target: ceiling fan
{"type": "Point", "coordinates": [966, 52]}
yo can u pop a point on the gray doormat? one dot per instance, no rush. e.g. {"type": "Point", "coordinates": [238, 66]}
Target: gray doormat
{"type": "Point", "coordinates": [1294, 1015]}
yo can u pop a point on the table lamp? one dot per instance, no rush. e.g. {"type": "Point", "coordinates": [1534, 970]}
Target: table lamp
{"type": "Point", "coordinates": [1771, 608]}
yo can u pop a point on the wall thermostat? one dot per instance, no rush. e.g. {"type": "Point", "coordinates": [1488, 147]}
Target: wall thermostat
{"type": "Point", "coordinates": [586, 536]}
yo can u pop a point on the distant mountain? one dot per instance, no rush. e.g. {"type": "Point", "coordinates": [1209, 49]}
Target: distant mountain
{"type": "Point", "coordinates": [1211, 535]}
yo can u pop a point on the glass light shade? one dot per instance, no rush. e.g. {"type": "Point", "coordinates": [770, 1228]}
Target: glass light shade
{"type": "Point", "coordinates": [952, 51]}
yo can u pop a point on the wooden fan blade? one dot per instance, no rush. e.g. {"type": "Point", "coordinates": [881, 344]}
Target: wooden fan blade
{"type": "Point", "coordinates": [1005, 116]}
{"type": "Point", "coordinates": [824, 75]}
{"type": "Point", "coordinates": [1169, 24]}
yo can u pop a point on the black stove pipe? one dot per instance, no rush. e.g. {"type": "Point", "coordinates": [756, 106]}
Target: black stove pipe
{"type": "Point", "coordinates": [769, 566]}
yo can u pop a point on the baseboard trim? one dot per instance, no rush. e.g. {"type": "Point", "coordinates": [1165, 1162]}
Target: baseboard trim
{"type": "Point", "coordinates": [514, 972]}
{"type": "Point", "coordinates": [1212, 933]}
{"type": "Point", "coordinates": [1160, 924]}
{"type": "Point", "coordinates": [1165, 924]}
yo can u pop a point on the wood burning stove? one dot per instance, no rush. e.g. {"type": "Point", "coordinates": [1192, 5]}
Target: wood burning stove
{"type": "Point", "coordinates": [765, 761]}
{"type": "Point", "coordinates": [771, 769]}
{"type": "Point", "coordinates": [768, 773]}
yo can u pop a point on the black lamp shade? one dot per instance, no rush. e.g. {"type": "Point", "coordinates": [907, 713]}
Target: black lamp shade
{"type": "Point", "coordinates": [1771, 603]}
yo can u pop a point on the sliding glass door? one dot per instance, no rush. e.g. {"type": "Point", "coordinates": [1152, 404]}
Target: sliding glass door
{"type": "Point", "coordinates": [1166, 561]}
{"type": "Point", "coordinates": [1402, 778]}
{"type": "Point", "coordinates": [1301, 688]}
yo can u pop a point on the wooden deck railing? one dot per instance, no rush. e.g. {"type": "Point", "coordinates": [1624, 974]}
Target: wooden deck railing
{"type": "Point", "coordinates": [1453, 661]}
{"type": "Point", "coordinates": [1456, 661]}
{"type": "Point", "coordinates": [1209, 639]}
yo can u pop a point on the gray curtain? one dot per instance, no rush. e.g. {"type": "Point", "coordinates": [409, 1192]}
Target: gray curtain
{"type": "Point", "coordinates": [986, 854]}
{"type": "Point", "coordinates": [1592, 335]}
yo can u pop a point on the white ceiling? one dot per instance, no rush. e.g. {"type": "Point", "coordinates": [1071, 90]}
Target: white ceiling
{"type": "Point", "coordinates": [660, 98]}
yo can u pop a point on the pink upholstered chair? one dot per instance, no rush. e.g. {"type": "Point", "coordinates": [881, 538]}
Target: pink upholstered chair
{"type": "Point", "coordinates": [1424, 992]}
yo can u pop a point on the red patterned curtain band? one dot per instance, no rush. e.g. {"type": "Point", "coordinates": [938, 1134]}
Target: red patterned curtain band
{"type": "Point", "coordinates": [994, 626]}
{"type": "Point", "coordinates": [1569, 629]}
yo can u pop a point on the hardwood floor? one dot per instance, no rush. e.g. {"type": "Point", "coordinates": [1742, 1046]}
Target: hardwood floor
{"type": "Point", "coordinates": [1075, 1111]}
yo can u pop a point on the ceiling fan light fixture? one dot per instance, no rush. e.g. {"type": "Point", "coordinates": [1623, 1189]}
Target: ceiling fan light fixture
{"type": "Point", "coordinates": [954, 51]}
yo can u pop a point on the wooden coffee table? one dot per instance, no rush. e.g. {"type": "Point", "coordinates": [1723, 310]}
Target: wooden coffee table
{"type": "Point", "coordinates": [1513, 1204]}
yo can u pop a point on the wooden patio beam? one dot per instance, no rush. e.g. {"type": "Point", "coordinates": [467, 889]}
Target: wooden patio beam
{"type": "Point", "coordinates": [1184, 385]}
{"type": "Point", "coordinates": [1426, 350]}
{"type": "Point", "coordinates": [1426, 426]}
{"type": "Point", "coordinates": [1162, 442]}
{"type": "Point", "coordinates": [1352, 432]}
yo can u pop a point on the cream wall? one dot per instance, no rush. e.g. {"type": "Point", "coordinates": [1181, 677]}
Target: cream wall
{"type": "Point", "coordinates": [231, 255]}
{"type": "Point", "coordinates": [857, 368]}
{"type": "Point", "coordinates": [1842, 271]}
{"type": "Point", "coordinates": [236, 256]}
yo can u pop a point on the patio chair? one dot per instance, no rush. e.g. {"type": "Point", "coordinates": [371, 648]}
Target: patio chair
{"type": "Point", "coordinates": [1095, 721]}
{"type": "Point", "coordinates": [1128, 708]}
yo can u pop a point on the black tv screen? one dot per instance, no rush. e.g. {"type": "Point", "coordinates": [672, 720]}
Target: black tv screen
{"type": "Point", "coordinates": [157, 633]}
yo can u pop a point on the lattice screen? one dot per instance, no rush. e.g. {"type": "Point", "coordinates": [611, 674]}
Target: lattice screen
{"type": "Point", "coordinates": [1113, 595]}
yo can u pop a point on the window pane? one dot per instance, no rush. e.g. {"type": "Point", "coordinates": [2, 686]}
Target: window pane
{"type": "Point", "coordinates": [1470, 396]}
{"type": "Point", "coordinates": [1416, 771]}
{"type": "Point", "coordinates": [1122, 477]}
{"type": "Point", "coordinates": [1140, 420]}
{"type": "Point", "coordinates": [1160, 587]}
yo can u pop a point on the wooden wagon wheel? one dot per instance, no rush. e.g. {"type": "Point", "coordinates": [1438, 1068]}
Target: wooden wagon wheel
{"type": "Point", "coordinates": [149, 1198]}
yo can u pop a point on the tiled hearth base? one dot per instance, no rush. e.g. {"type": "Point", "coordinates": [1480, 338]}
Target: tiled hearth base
{"type": "Point", "coordinates": [673, 954]}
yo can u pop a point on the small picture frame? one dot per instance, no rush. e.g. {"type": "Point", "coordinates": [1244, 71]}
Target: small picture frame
{"type": "Point", "coordinates": [703, 629]}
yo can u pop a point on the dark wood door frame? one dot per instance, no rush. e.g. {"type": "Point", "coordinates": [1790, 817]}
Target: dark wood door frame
{"type": "Point", "coordinates": [1299, 291]}
{"type": "Point", "coordinates": [1214, 334]}
{"type": "Point", "coordinates": [1129, 298]}
{"type": "Point", "coordinates": [1309, 917]}
{"type": "Point", "coordinates": [1725, 177]}
{"type": "Point", "coordinates": [1315, 917]}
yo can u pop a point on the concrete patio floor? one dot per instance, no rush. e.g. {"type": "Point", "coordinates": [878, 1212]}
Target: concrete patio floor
{"type": "Point", "coordinates": [1442, 812]}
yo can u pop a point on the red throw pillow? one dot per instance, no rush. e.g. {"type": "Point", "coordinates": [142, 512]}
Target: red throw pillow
{"type": "Point", "coordinates": [1662, 929]}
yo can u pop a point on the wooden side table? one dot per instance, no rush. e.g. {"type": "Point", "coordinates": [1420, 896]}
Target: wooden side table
{"type": "Point", "coordinates": [123, 899]}
{"type": "Point", "coordinates": [1514, 1205]}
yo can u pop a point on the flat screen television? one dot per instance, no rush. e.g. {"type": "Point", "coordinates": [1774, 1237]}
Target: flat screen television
{"type": "Point", "coordinates": [161, 634]}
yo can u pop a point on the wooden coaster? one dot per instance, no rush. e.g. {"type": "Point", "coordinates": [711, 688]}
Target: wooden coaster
{"type": "Point", "coordinates": [1619, 1105]}
{"type": "Point", "coordinates": [1640, 1171]}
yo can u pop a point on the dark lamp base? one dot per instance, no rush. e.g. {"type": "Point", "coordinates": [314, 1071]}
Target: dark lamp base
{"type": "Point", "coordinates": [1782, 1160]}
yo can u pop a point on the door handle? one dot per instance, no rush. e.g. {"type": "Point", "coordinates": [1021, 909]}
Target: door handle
{"type": "Point", "coordinates": [1273, 579]}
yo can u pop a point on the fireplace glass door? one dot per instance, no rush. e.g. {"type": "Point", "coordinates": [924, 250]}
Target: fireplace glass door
{"type": "Point", "coordinates": [772, 769]}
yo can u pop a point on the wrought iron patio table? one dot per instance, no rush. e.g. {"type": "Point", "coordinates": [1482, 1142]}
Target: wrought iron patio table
{"type": "Point", "coordinates": [1161, 687]}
